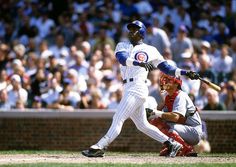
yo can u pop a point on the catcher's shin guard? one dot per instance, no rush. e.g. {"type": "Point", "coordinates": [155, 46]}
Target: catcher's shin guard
{"type": "Point", "coordinates": [187, 149]}
{"type": "Point", "coordinates": [164, 151]}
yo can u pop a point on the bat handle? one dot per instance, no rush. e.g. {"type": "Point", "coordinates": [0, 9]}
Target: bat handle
{"type": "Point", "coordinates": [203, 80]}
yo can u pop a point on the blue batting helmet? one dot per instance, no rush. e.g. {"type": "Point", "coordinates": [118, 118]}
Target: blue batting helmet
{"type": "Point", "coordinates": [142, 28]}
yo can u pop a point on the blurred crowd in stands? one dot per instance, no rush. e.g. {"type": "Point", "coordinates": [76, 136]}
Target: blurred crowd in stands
{"type": "Point", "coordinates": [60, 54]}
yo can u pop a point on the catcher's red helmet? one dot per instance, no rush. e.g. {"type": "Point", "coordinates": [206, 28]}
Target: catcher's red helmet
{"type": "Point", "coordinates": [166, 80]}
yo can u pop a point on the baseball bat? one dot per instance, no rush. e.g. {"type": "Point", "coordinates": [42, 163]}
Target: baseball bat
{"type": "Point", "coordinates": [210, 84]}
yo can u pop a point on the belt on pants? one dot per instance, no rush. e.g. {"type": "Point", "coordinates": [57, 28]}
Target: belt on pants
{"type": "Point", "coordinates": [131, 80]}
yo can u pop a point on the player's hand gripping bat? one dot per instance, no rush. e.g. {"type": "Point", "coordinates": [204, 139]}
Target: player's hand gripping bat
{"type": "Point", "coordinates": [194, 75]}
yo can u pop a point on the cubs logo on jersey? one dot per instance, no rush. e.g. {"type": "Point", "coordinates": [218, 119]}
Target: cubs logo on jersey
{"type": "Point", "coordinates": [141, 56]}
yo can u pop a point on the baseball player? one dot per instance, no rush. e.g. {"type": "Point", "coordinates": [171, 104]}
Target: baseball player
{"type": "Point", "coordinates": [179, 118]}
{"type": "Point", "coordinates": [136, 60]}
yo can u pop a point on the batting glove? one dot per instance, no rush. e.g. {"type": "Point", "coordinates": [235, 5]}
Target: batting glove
{"type": "Point", "coordinates": [148, 66]}
{"type": "Point", "coordinates": [151, 114]}
{"type": "Point", "coordinates": [192, 75]}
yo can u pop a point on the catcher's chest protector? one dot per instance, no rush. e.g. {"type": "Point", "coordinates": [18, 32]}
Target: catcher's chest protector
{"type": "Point", "coordinates": [169, 101]}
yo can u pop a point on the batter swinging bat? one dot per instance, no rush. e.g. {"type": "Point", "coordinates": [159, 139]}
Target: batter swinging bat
{"type": "Point", "coordinates": [210, 84]}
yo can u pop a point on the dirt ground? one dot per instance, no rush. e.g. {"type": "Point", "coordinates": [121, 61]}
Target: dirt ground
{"type": "Point", "coordinates": [110, 158]}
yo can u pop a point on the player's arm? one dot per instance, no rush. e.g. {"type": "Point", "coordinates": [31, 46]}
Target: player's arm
{"type": "Point", "coordinates": [171, 70]}
{"type": "Point", "coordinates": [175, 71]}
{"type": "Point", "coordinates": [169, 116]}
{"type": "Point", "coordinates": [173, 117]}
{"type": "Point", "coordinates": [125, 60]}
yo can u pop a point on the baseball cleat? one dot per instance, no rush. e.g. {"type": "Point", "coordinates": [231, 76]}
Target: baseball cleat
{"type": "Point", "coordinates": [174, 147]}
{"type": "Point", "coordinates": [93, 152]}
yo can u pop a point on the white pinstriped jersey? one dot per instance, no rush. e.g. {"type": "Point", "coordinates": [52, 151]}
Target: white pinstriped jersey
{"type": "Point", "coordinates": [141, 52]}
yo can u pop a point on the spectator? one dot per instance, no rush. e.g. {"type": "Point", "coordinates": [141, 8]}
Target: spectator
{"type": "Point", "coordinates": [59, 49]}
{"type": "Point", "coordinates": [205, 70]}
{"type": "Point", "coordinates": [143, 7]}
{"type": "Point", "coordinates": [19, 51]}
{"type": "Point", "coordinates": [37, 103]}
{"type": "Point", "coordinates": [161, 14]}
{"type": "Point", "coordinates": [233, 51]}
{"type": "Point", "coordinates": [223, 65]}
{"type": "Point", "coordinates": [107, 88]}
{"type": "Point", "coordinates": [26, 30]}
{"type": "Point", "coordinates": [86, 95]}
{"type": "Point", "coordinates": [102, 40]}
{"type": "Point", "coordinates": [44, 51]}
{"type": "Point", "coordinates": [66, 28]}
{"type": "Point", "coordinates": [80, 64]}
{"type": "Point", "coordinates": [222, 34]}
{"type": "Point", "coordinates": [86, 49]}
{"type": "Point", "coordinates": [78, 81]}
{"type": "Point", "coordinates": [181, 17]}
{"type": "Point", "coordinates": [44, 24]}
{"type": "Point", "coordinates": [157, 38]}
{"type": "Point", "coordinates": [16, 92]}
{"type": "Point", "coordinates": [228, 97]}
{"type": "Point", "coordinates": [201, 100]}
{"type": "Point", "coordinates": [20, 104]}
{"type": "Point", "coordinates": [52, 95]}
{"type": "Point", "coordinates": [38, 83]}
{"type": "Point", "coordinates": [68, 97]}
{"type": "Point", "coordinates": [31, 33]}
{"type": "Point", "coordinates": [181, 44]}
{"type": "Point", "coordinates": [52, 65]}
{"type": "Point", "coordinates": [213, 101]}
{"type": "Point", "coordinates": [3, 79]}
{"type": "Point", "coordinates": [169, 27]}
{"type": "Point", "coordinates": [4, 101]}
{"type": "Point", "coordinates": [96, 101]}
{"type": "Point", "coordinates": [31, 67]}
{"type": "Point", "coordinates": [4, 49]}
{"type": "Point", "coordinates": [115, 99]}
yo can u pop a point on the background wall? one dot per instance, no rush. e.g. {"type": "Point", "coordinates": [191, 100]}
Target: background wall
{"type": "Point", "coordinates": [48, 130]}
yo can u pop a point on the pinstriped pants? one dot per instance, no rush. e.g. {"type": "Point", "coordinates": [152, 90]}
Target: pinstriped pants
{"type": "Point", "coordinates": [132, 106]}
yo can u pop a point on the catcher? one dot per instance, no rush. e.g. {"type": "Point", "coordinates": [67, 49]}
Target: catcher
{"type": "Point", "coordinates": [179, 118]}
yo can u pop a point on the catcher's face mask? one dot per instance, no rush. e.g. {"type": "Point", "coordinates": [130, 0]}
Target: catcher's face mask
{"type": "Point", "coordinates": [167, 82]}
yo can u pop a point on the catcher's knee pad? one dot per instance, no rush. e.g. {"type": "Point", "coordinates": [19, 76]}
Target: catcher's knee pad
{"type": "Point", "coordinates": [160, 124]}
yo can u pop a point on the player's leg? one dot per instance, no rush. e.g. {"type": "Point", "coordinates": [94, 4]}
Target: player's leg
{"type": "Point", "coordinates": [190, 134]}
{"type": "Point", "coordinates": [141, 122]}
{"type": "Point", "coordinates": [187, 136]}
{"type": "Point", "coordinates": [129, 104]}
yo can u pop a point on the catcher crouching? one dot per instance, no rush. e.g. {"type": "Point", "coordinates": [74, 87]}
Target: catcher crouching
{"type": "Point", "coordinates": [177, 117]}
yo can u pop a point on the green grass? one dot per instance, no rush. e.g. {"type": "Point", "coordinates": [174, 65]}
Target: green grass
{"type": "Point", "coordinates": [35, 152]}
{"type": "Point", "coordinates": [134, 154]}
{"type": "Point", "coordinates": [118, 165]}
{"type": "Point", "coordinates": [111, 154]}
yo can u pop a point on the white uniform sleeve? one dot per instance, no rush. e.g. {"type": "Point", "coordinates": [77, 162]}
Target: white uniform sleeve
{"type": "Point", "coordinates": [180, 104]}
{"type": "Point", "coordinates": [122, 46]}
{"type": "Point", "coordinates": [156, 57]}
